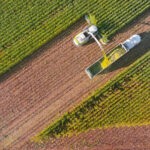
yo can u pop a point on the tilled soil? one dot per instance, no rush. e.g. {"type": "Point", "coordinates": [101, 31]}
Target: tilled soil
{"type": "Point", "coordinates": [122, 138]}
{"type": "Point", "coordinates": [52, 81]}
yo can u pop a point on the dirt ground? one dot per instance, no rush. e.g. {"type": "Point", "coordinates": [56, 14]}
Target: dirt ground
{"type": "Point", "coordinates": [123, 138]}
{"type": "Point", "coordinates": [52, 81]}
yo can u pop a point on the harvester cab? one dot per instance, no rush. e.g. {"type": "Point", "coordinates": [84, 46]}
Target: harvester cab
{"type": "Point", "coordinates": [84, 36]}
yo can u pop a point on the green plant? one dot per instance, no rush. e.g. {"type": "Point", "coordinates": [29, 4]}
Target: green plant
{"type": "Point", "coordinates": [105, 38]}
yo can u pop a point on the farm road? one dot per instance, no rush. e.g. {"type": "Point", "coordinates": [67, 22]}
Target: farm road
{"type": "Point", "coordinates": [52, 81]}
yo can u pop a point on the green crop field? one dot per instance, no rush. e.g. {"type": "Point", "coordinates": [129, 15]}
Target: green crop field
{"type": "Point", "coordinates": [124, 101]}
{"type": "Point", "coordinates": [25, 25]}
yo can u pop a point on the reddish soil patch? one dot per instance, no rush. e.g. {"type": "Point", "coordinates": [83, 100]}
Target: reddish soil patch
{"type": "Point", "coordinates": [125, 138]}
{"type": "Point", "coordinates": [52, 81]}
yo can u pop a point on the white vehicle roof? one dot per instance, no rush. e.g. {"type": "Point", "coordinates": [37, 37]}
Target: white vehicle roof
{"type": "Point", "coordinates": [93, 29]}
{"type": "Point", "coordinates": [81, 37]}
{"type": "Point", "coordinates": [132, 41]}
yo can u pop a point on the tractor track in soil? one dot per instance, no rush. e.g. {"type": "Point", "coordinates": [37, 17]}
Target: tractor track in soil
{"type": "Point", "coordinates": [52, 81]}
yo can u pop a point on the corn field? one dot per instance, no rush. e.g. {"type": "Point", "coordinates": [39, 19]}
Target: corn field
{"type": "Point", "coordinates": [26, 25]}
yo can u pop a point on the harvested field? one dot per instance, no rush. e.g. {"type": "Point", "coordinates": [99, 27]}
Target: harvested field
{"type": "Point", "coordinates": [52, 81]}
{"type": "Point", "coordinates": [123, 138]}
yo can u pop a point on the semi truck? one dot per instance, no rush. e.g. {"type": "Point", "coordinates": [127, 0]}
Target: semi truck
{"type": "Point", "coordinates": [104, 62]}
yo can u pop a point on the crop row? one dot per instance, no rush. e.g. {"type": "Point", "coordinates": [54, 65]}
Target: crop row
{"type": "Point", "coordinates": [124, 101]}
{"type": "Point", "coordinates": [27, 25]}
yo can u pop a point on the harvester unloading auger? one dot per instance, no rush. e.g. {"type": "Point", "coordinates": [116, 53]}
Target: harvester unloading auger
{"type": "Point", "coordinates": [91, 32]}
{"type": "Point", "coordinates": [105, 62]}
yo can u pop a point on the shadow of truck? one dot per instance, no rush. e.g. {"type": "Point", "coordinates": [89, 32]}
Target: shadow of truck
{"type": "Point", "coordinates": [133, 54]}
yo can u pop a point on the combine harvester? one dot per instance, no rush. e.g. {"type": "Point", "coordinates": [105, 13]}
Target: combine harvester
{"type": "Point", "coordinates": [103, 63]}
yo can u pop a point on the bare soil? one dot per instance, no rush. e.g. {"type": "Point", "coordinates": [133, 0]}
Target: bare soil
{"type": "Point", "coordinates": [122, 138]}
{"type": "Point", "coordinates": [52, 81]}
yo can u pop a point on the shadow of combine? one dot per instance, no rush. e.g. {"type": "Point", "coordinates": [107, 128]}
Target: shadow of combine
{"type": "Point", "coordinates": [132, 55]}
{"type": "Point", "coordinates": [102, 28]}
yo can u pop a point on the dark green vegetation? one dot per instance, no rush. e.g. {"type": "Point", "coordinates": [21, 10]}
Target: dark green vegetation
{"type": "Point", "coordinates": [25, 25]}
{"type": "Point", "coordinates": [124, 101]}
